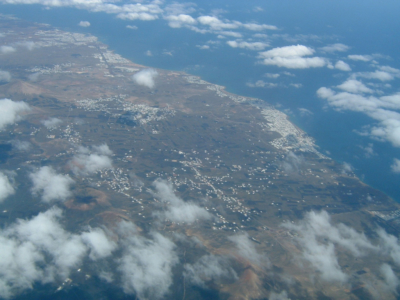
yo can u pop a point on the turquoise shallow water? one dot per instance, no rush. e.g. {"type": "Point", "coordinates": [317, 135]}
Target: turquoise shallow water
{"type": "Point", "coordinates": [364, 26]}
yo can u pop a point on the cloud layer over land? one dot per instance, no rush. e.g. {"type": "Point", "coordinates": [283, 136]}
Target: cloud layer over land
{"type": "Point", "coordinates": [5, 76]}
{"type": "Point", "coordinates": [209, 267]}
{"type": "Point", "coordinates": [6, 186]}
{"type": "Point", "coordinates": [50, 185]}
{"type": "Point", "coordinates": [5, 49]}
{"type": "Point", "coordinates": [178, 210]}
{"type": "Point", "coordinates": [51, 123]}
{"type": "Point", "coordinates": [87, 161]}
{"type": "Point", "coordinates": [320, 240]}
{"type": "Point", "coordinates": [146, 264]}
{"type": "Point", "coordinates": [145, 77]}
{"type": "Point", "coordinates": [396, 165]}
{"type": "Point", "coordinates": [40, 250]}
{"type": "Point", "coordinates": [246, 249]}
{"type": "Point", "coordinates": [10, 112]}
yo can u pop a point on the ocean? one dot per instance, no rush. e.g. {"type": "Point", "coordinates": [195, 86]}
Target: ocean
{"type": "Point", "coordinates": [365, 26]}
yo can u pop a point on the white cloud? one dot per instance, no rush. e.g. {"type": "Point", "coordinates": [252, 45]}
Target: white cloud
{"type": "Point", "coordinates": [304, 112]}
{"type": "Point", "coordinates": [146, 264]}
{"type": "Point", "coordinates": [203, 47]}
{"type": "Point", "coordinates": [131, 27]}
{"type": "Point", "coordinates": [292, 57]}
{"type": "Point", "coordinates": [341, 65]}
{"type": "Point", "coordinates": [208, 268]}
{"type": "Point", "coordinates": [281, 296]}
{"type": "Point", "coordinates": [5, 76]}
{"type": "Point", "coordinates": [357, 102]}
{"type": "Point", "coordinates": [177, 21]}
{"type": "Point", "coordinates": [354, 86]}
{"type": "Point", "coordinates": [145, 77]}
{"type": "Point", "coordinates": [6, 186]}
{"type": "Point", "coordinates": [347, 168]}
{"type": "Point", "coordinates": [295, 62]}
{"type": "Point", "coordinates": [388, 128]}
{"type": "Point", "coordinates": [297, 38]}
{"type": "Point", "coordinates": [335, 48]}
{"type": "Point", "coordinates": [271, 75]}
{"type": "Point", "coordinates": [288, 51]}
{"type": "Point", "coordinates": [380, 75]}
{"type": "Point", "coordinates": [180, 8]}
{"type": "Point", "coordinates": [292, 162]}
{"type": "Point", "coordinates": [296, 85]}
{"type": "Point", "coordinates": [246, 249]}
{"type": "Point", "coordinates": [288, 74]}
{"type": "Point", "coordinates": [40, 251]}
{"type": "Point", "coordinates": [251, 46]}
{"type": "Point", "coordinates": [51, 123]}
{"type": "Point", "coordinates": [143, 16]}
{"type": "Point", "coordinates": [137, 11]}
{"type": "Point", "coordinates": [262, 83]}
{"type": "Point", "coordinates": [6, 49]}
{"type": "Point", "coordinates": [323, 259]}
{"type": "Point", "coordinates": [27, 44]}
{"type": "Point", "coordinates": [178, 210]}
{"type": "Point", "coordinates": [260, 35]}
{"type": "Point", "coordinates": [360, 57]}
{"type": "Point", "coordinates": [106, 276]}
{"type": "Point", "coordinates": [99, 243]}
{"type": "Point", "coordinates": [148, 53]}
{"type": "Point", "coordinates": [216, 24]}
{"type": "Point", "coordinates": [258, 27]}
{"type": "Point", "coordinates": [369, 150]}
{"type": "Point", "coordinates": [389, 245]}
{"type": "Point", "coordinates": [211, 42]}
{"type": "Point", "coordinates": [52, 186]}
{"type": "Point", "coordinates": [230, 33]}
{"type": "Point", "coordinates": [102, 149]}
{"type": "Point", "coordinates": [395, 166]}
{"type": "Point", "coordinates": [388, 69]}
{"type": "Point", "coordinates": [199, 30]}
{"type": "Point", "coordinates": [34, 76]}
{"type": "Point", "coordinates": [84, 24]}
{"type": "Point", "coordinates": [87, 162]}
{"type": "Point", "coordinates": [20, 145]}
{"type": "Point", "coordinates": [10, 111]}
{"type": "Point", "coordinates": [391, 280]}
{"type": "Point", "coordinates": [380, 109]}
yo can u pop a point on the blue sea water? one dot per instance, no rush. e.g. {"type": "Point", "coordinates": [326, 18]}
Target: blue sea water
{"type": "Point", "coordinates": [366, 26]}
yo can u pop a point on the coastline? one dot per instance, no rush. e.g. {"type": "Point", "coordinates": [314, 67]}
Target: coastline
{"type": "Point", "coordinates": [344, 145]}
